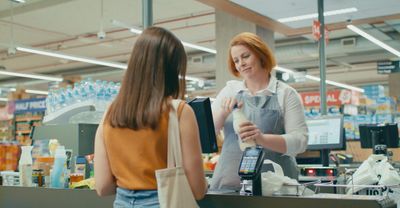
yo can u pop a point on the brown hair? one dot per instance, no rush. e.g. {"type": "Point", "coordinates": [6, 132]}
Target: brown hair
{"type": "Point", "coordinates": [257, 46]}
{"type": "Point", "coordinates": [156, 70]}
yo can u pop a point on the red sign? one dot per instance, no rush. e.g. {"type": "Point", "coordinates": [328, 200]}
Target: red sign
{"type": "Point", "coordinates": [334, 97]}
{"type": "Point", "coordinates": [315, 30]}
{"type": "Point", "coordinates": [317, 33]}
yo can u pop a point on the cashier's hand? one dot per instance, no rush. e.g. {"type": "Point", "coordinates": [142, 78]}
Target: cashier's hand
{"type": "Point", "coordinates": [228, 105]}
{"type": "Point", "coordinates": [250, 132]}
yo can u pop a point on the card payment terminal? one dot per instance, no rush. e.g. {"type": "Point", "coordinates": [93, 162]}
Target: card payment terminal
{"type": "Point", "coordinates": [249, 170]}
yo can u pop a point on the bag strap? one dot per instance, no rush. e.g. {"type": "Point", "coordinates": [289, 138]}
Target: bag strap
{"type": "Point", "coordinates": [174, 144]}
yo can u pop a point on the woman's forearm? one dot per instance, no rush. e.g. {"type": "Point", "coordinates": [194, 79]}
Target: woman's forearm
{"type": "Point", "coordinates": [219, 118]}
{"type": "Point", "coordinates": [273, 142]}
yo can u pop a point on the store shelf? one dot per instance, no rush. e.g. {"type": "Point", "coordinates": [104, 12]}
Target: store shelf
{"type": "Point", "coordinates": [7, 129]}
{"type": "Point", "coordinates": [24, 121]}
{"type": "Point", "coordinates": [35, 118]}
{"type": "Point", "coordinates": [23, 132]}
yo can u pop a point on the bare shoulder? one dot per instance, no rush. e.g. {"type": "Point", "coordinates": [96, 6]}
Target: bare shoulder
{"type": "Point", "coordinates": [187, 111]}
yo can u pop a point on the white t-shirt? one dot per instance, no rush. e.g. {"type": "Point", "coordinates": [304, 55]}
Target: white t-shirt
{"type": "Point", "coordinates": [296, 132]}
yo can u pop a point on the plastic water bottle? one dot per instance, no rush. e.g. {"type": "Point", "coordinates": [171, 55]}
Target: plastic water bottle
{"type": "Point", "coordinates": [61, 98]}
{"type": "Point", "coordinates": [239, 118]}
{"type": "Point", "coordinates": [57, 175]}
{"type": "Point", "coordinates": [25, 166]}
{"type": "Point", "coordinates": [56, 99]}
{"type": "Point", "coordinates": [83, 93]}
{"type": "Point", "coordinates": [114, 94]}
{"type": "Point", "coordinates": [76, 92]}
{"type": "Point", "coordinates": [69, 96]}
{"type": "Point", "coordinates": [108, 93]}
{"type": "Point", "coordinates": [100, 96]}
{"type": "Point", "coordinates": [97, 85]}
{"type": "Point", "coordinates": [118, 86]}
{"type": "Point", "coordinates": [49, 107]}
{"type": "Point", "coordinates": [91, 93]}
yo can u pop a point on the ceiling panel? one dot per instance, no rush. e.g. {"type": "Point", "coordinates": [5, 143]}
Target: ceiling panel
{"type": "Point", "coordinates": [71, 26]}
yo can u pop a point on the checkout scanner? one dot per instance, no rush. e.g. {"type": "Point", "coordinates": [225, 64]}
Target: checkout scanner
{"type": "Point", "coordinates": [250, 168]}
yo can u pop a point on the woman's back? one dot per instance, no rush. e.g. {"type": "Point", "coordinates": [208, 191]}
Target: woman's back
{"type": "Point", "coordinates": [131, 140]}
{"type": "Point", "coordinates": [135, 155]}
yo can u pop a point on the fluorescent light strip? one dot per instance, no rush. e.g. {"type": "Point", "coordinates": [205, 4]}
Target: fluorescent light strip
{"type": "Point", "coordinates": [19, 1]}
{"type": "Point", "coordinates": [40, 92]}
{"type": "Point", "coordinates": [137, 31]}
{"type": "Point", "coordinates": [282, 69]}
{"type": "Point", "coordinates": [374, 40]}
{"type": "Point", "coordinates": [317, 79]}
{"type": "Point", "coordinates": [80, 59]}
{"type": "Point", "coordinates": [201, 48]}
{"type": "Point", "coordinates": [315, 15]}
{"type": "Point", "coordinates": [33, 76]}
{"type": "Point", "coordinates": [70, 57]}
{"type": "Point", "coordinates": [193, 78]}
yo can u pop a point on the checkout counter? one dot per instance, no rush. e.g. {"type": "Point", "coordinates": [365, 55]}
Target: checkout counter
{"type": "Point", "coordinates": [77, 138]}
{"type": "Point", "coordinates": [28, 197]}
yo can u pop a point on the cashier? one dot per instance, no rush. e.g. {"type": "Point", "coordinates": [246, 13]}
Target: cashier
{"type": "Point", "coordinates": [273, 108]}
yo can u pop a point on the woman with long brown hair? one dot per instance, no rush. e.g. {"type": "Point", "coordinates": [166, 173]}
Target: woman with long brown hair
{"type": "Point", "coordinates": [131, 141]}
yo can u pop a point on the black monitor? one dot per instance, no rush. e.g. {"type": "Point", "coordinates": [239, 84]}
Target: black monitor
{"type": "Point", "coordinates": [326, 133]}
{"type": "Point", "coordinates": [202, 109]}
{"type": "Point", "coordinates": [377, 134]}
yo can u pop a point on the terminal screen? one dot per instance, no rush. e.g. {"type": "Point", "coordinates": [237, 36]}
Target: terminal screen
{"type": "Point", "coordinates": [325, 133]}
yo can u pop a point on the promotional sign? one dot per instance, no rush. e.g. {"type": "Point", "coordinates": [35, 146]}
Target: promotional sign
{"type": "Point", "coordinates": [317, 33]}
{"type": "Point", "coordinates": [388, 67]}
{"type": "Point", "coordinates": [335, 97]}
{"type": "Point", "coordinates": [30, 105]}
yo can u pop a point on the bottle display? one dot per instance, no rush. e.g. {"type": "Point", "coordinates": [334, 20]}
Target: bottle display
{"type": "Point", "coordinates": [99, 92]}
{"type": "Point", "coordinates": [239, 118]}
{"type": "Point", "coordinates": [25, 166]}
{"type": "Point", "coordinates": [57, 177]}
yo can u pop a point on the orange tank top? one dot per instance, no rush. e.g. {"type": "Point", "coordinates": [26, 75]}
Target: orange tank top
{"type": "Point", "coordinates": [135, 155]}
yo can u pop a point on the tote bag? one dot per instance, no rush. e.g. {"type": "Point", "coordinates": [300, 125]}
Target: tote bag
{"type": "Point", "coordinates": [173, 187]}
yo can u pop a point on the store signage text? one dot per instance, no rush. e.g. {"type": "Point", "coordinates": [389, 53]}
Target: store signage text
{"type": "Point", "coordinates": [30, 105]}
{"type": "Point", "coordinates": [388, 67]}
{"type": "Point", "coordinates": [335, 97]}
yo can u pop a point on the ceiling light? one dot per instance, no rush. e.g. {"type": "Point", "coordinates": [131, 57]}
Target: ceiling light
{"type": "Point", "coordinates": [70, 57]}
{"type": "Point", "coordinates": [76, 58]}
{"type": "Point", "coordinates": [193, 79]}
{"type": "Point", "coordinates": [33, 76]}
{"type": "Point", "coordinates": [315, 15]}
{"type": "Point", "coordinates": [18, 1]}
{"type": "Point", "coordinates": [317, 79]}
{"type": "Point", "coordinates": [201, 48]}
{"type": "Point", "coordinates": [314, 78]}
{"type": "Point", "coordinates": [40, 92]}
{"type": "Point", "coordinates": [282, 69]}
{"type": "Point", "coordinates": [137, 31]}
{"type": "Point", "coordinates": [373, 39]}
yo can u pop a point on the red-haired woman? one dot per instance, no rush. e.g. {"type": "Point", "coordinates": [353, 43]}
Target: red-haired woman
{"type": "Point", "coordinates": [274, 110]}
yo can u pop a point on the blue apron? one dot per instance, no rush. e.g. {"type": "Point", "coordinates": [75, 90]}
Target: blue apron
{"type": "Point", "coordinates": [265, 112]}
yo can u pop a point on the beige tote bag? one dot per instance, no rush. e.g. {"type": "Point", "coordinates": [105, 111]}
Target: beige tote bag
{"type": "Point", "coordinates": [173, 187]}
